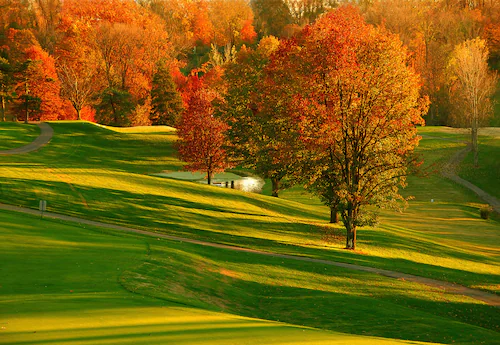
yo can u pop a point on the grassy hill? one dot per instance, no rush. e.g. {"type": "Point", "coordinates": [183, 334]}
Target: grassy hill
{"type": "Point", "coordinates": [62, 284]}
{"type": "Point", "coordinates": [99, 173]}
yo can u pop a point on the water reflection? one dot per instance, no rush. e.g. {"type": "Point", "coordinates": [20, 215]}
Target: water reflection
{"type": "Point", "coordinates": [246, 184]}
{"type": "Point", "coordinates": [249, 184]}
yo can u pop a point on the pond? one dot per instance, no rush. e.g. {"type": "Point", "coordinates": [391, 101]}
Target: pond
{"type": "Point", "coordinates": [223, 180]}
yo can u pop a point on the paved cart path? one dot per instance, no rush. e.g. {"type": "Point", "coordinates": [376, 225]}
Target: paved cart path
{"type": "Point", "coordinates": [43, 139]}
{"type": "Point", "coordinates": [488, 298]}
{"type": "Point", "coordinates": [450, 171]}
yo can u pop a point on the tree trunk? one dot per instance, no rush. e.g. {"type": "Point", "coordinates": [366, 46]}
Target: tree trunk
{"type": "Point", "coordinates": [78, 114]}
{"type": "Point", "coordinates": [349, 223]}
{"type": "Point", "coordinates": [474, 142]}
{"type": "Point", "coordinates": [349, 243]}
{"type": "Point", "coordinates": [275, 186]}
{"type": "Point", "coordinates": [3, 109]}
{"type": "Point", "coordinates": [27, 111]}
{"type": "Point", "coordinates": [334, 215]}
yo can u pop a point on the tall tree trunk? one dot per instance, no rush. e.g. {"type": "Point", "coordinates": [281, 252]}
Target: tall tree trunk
{"type": "Point", "coordinates": [209, 178]}
{"type": "Point", "coordinates": [474, 141]}
{"type": "Point", "coordinates": [334, 215]}
{"type": "Point", "coordinates": [3, 109]}
{"type": "Point", "coordinates": [350, 227]}
{"type": "Point", "coordinates": [27, 111]}
{"type": "Point", "coordinates": [78, 114]}
{"type": "Point", "coordinates": [275, 186]}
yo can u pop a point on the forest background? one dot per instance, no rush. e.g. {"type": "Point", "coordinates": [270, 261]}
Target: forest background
{"type": "Point", "coordinates": [129, 63]}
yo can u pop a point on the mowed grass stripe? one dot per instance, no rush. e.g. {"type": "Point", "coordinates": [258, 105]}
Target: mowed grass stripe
{"type": "Point", "coordinates": [92, 172]}
{"type": "Point", "coordinates": [64, 284]}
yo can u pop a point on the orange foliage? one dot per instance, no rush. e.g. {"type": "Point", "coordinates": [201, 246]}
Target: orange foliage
{"type": "Point", "coordinates": [44, 84]}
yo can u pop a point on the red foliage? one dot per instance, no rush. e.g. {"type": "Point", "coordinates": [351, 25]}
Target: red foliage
{"type": "Point", "coordinates": [201, 135]}
{"type": "Point", "coordinates": [43, 83]}
{"type": "Point", "coordinates": [248, 33]}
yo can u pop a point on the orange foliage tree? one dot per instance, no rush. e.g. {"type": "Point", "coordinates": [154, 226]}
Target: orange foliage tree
{"type": "Point", "coordinates": [202, 137]}
{"type": "Point", "coordinates": [357, 107]}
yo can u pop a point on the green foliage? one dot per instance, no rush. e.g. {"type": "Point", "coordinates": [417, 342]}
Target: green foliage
{"type": "Point", "coordinates": [114, 107]}
{"type": "Point", "coordinates": [486, 175]}
{"type": "Point", "coordinates": [271, 17]}
{"type": "Point", "coordinates": [166, 100]}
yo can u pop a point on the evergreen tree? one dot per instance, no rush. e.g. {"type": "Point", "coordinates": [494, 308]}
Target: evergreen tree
{"type": "Point", "coordinates": [114, 107]}
{"type": "Point", "coordinates": [166, 101]}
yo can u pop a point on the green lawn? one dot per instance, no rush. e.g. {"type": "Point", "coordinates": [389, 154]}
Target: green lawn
{"type": "Point", "coordinates": [104, 174]}
{"type": "Point", "coordinates": [65, 284]}
{"type": "Point", "coordinates": [100, 174]}
{"type": "Point", "coordinates": [13, 135]}
{"type": "Point", "coordinates": [495, 120]}
{"type": "Point", "coordinates": [487, 175]}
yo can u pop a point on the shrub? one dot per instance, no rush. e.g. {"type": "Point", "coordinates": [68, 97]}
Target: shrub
{"type": "Point", "coordinates": [486, 211]}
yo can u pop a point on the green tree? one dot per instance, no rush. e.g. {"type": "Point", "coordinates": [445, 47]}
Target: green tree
{"type": "Point", "coordinates": [166, 100]}
{"type": "Point", "coordinates": [271, 17]}
{"type": "Point", "coordinates": [259, 137]}
{"type": "Point", "coordinates": [114, 107]}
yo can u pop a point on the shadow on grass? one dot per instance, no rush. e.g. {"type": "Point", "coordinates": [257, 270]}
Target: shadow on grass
{"type": "Point", "coordinates": [308, 294]}
{"type": "Point", "coordinates": [183, 218]}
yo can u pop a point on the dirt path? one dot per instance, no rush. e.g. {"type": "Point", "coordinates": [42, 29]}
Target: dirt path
{"type": "Point", "coordinates": [43, 139]}
{"type": "Point", "coordinates": [450, 171]}
{"type": "Point", "coordinates": [488, 298]}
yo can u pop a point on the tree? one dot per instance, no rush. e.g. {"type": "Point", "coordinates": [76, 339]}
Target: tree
{"type": "Point", "coordinates": [271, 17]}
{"type": "Point", "coordinates": [76, 86]}
{"type": "Point", "coordinates": [229, 19]}
{"type": "Point", "coordinates": [254, 110]}
{"type": "Point", "coordinates": [201, 135]}
{"type": "Point", "coordinates": [472, 86]}
{"type": "Point", "coordinates": [166, 100]}
{"type": "Point", "coordinates": [114, 107]}
{"type": "Point", "coordinates": [357, 110]}
{"type": "Point", "coordinates": [6, 85]}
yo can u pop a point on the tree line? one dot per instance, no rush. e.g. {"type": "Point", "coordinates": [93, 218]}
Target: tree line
{"type": "Point", "coordinates": [100, 60]}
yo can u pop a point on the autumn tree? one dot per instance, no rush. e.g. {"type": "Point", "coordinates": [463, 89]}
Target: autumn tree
{"type": "Point", "coordinates": [6, 85]}
{"type": "Point", "coordinates": [201, 135]}
{"type": "Point", "coordinates": [254, 109]}
{"type": "Point", "coordinates": [357, 110]}
{"type": "Point", "coordinates": [76, 86]}
{"type": "Point", "coordinates": [306, 11]}
{"type": "Point", "coordinates": [232, 21]}
{"type": "Point", "coordinates": [271, 17]}
{"type": "Point", "coordinates": [472, 86]}
{"type": "Point", "coordinates": [166, 100]}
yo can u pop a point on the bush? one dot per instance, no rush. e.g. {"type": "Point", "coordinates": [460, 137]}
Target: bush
{"type": "Point", "coordinates": [486, 211]}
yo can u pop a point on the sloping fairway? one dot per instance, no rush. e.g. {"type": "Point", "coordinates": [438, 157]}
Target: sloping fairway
{"type": "Point", "coordinates": [101, 174]}
{"type": "Point", "coordinates": [62, 284]}
{"type": "Point", "coordinates": [13, 135]}
{"type": "Point", "coordinates": [487, 176]}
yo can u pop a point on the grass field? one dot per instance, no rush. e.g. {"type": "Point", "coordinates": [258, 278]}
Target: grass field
{"type": "Point", "coordinates": [102, 174]}
{"type": "Point", "coordinates": [14, 135]}
{"type": "Point", "coordinates": [63, 284]}
{"type": "Point", "coordinates": [487, 175]}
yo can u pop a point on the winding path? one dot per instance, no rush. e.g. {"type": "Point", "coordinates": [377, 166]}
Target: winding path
{"type": "Point", "coordinates": [488, 298]}
{"type": "Point", "coordinates": [43, 139]}
{"type": "Point", "coordinates": [450, 171]}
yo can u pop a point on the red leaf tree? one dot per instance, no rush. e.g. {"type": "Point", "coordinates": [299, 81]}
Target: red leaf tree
{"type": "Point", "coordinates": [201, 135]}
